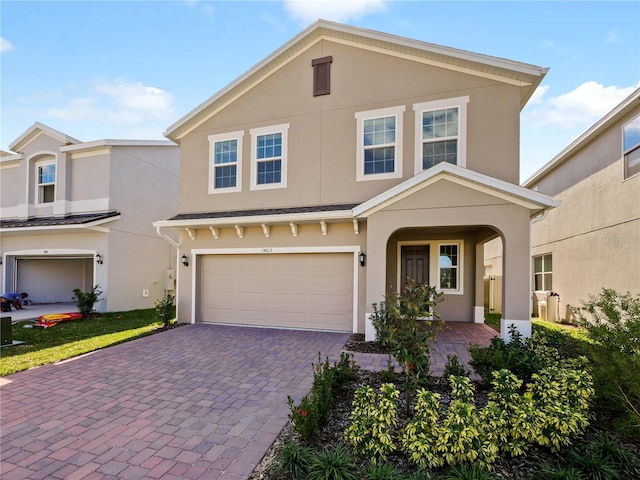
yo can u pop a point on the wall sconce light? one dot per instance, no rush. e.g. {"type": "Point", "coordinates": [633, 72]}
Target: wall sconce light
{"type": "Point", "coordinates": [363, 259]}
{"type": "Point", "coordinates": [99, 259]}
{"type": "Point", "coordinates": [185, 260]}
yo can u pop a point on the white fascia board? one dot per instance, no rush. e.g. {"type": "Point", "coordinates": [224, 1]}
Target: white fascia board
{"type": "Point", "coordinates": [614, 115]}
{"type": "Point", "coordinates": [11, 158]}
{"type": "Point", "coordinates": [463, 176]}
{"type": "Point", "coordinates": [283, 219]}
{"type": "Point", "coordinates": [117, 143]}
{"type": "Point", "coordinates": [33, 131]}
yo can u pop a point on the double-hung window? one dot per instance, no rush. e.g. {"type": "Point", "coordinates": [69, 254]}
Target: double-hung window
{"type": "Point", "coordinates": [631, 147]}
{"type": "Point", "coordinates": [225, 168]}
{"type": "Point", "coordinates": [379, 144]}
{"type": "Point", "coordinates": [440, 132]}
{"type": "Point", "coordinates": [450, 267]}
{"type": "Point", "coordinates": [269, 157]}
{"type": "Point", "coordinates": [46, 173]}
{"type": "Point", "coordinates": [542, 272]}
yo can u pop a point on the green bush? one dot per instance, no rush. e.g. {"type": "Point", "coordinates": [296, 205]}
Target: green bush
{"type": "Point", "coordinates": [612, 323]}
{"type": "Point", "coordinates": [85, 301]}
{"type": "Point", "coordinates": [385, 471]}
{"type": "Point", "coordinates": [467, 472]}
{"type": "Point", "coordinates": [165, 309]}
{"type": "Point", "coordinates": [304, 417]}
{"type": "Point", "coordinates": [335, 464]}
{"type": "Point", "coordinates": [371, 422]}
{"type": "Point", "coordinates": [454, 367]}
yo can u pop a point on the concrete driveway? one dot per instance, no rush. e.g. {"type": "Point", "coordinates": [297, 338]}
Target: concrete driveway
{"type": "Point", "coordinates": [196, 402]}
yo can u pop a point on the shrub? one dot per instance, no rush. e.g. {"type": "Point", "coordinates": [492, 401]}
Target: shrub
{"type": "Point", "coordinates": [454, 367]}
{"type": "Point", "coordinates": [612, 323]}
{"type": "Point", "coordinates": [593, 465]}
{"type": "Point", "coordinates": [294, 461]}
{"type": "Point", "coordinates": [467, 472]}
{"type": "Point", "coordinates": [385, 471]}
{"type": "Point", "coordinates": [371, 422]}
{"type": "Point", "coordinates": [85, 301]}
{"type": "Point", "coordinates": [399, 325]}
{"type": "Point", "coordinates": [335, 464]}
{"type": "Point", "coordinates": [165, 309]}
{"type": "Point", "coordinates": [304, 417]}
{"type": "Point", "coordinates": [419, 437]}
{"type": "Point", "coordinates": [521, 356]}
{"type": "Point", "coordinates": [552, 472]}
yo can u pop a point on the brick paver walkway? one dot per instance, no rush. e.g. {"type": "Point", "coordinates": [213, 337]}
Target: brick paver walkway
{"type": "Point", "coordinates": [196, 402]}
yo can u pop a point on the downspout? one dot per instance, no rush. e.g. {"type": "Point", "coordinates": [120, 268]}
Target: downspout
{"type": "Point", "coordinates": [167, 238]}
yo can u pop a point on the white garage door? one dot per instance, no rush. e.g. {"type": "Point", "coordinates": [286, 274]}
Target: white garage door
{"type": "Point", "coordinates": [53, 280]}
{"type": "Point", "coordinates": [311, 291]}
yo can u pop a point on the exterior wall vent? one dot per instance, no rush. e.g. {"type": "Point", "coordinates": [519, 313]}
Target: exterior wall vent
{"type": "Point", "coordinates": [321, 76]}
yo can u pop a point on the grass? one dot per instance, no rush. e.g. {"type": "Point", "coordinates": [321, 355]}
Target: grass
{"type": "Point", "coordinates": [70, 339]}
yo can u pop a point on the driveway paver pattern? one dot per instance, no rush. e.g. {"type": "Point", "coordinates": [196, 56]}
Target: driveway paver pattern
{"type": "Point", "coordinates": [196, 402]}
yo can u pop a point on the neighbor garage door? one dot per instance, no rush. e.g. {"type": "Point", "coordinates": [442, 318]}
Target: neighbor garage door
{"type": "Point", "coordinates": [53, 280]}
{"type": "Point", "coordinates": [312, 291]}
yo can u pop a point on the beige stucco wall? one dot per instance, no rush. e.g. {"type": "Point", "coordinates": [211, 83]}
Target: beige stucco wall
{"type": "Point", "coordinates": [594, 235]}
{"type": "Point", "coordinates": [322, 130]}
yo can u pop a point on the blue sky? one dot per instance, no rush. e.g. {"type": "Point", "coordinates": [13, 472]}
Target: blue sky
{"type": "Point", "coordinates": [130, 69]}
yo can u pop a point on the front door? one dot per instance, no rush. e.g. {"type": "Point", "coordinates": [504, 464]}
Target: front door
{"type": "Point", "coordinates": [414, 264]}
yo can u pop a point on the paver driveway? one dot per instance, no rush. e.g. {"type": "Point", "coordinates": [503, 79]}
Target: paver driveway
{"type": "Point", "coordinates": [199, 401]}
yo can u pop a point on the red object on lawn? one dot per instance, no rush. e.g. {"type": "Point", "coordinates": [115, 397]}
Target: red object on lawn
{"type": "Point", "coordinates": [52, 319]}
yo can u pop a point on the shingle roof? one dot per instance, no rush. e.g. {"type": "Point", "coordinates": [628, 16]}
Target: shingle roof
{"type": "Point", "coordinates": [263, 211]}
{"type": "Point", "coordinates": [57, 221]}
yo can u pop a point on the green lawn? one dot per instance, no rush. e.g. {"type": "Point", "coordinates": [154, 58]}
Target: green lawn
{"type": "Point", "coordinates": [70, 339]}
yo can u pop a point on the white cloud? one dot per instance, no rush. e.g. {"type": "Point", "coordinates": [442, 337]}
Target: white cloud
{"type": "Point", "coordinates": [117, 108]}
{"type": "Point", "coordinates": [335, 10]}
{"type": "Point", "coordinates": [5, 45]}
{"type": "Point", "coordinates": [579, 108]}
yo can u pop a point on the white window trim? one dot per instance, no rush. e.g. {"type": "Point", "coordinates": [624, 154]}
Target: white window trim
{"type": "Point", "coordinates": [420, 108]}
{"type": "Point", "coordinates": [626, 152]}
{"type": "Point", "coordinates": [255, 133]}
{"type": "Point", "coordinates": [460, 245]}
{"type": "Point", "coordinates": [37, 165]}
{"type": "Point", "coordinates": [396, 112]}
{"type": "Point", "coordinates": [213, 139]}
{"type": "Point", "coordinates": [543, 272]}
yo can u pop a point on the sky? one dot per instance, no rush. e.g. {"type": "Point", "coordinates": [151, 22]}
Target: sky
{"type": "Point", "coordinates": [130, 69]}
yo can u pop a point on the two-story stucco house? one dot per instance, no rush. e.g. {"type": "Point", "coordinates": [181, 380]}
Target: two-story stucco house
{"type": "Point", "coordinates": [592, 240]}
{"type": "Point", "coordinates": [344, 163]}
{"type": "Point", "coordinates": [77, 214]}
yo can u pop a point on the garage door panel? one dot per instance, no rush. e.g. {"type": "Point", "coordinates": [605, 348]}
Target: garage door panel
{"type": "Point", "coordinates": [312, 291]}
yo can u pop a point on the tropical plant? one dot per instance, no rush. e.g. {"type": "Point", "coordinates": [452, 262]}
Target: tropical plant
{"type": "Point", "coordinates": [333, 464]}
{"type": "Point", "coordinates": [85, 301]}
{"type": "Point", "coordinates": [294, 461]}
{"type": "Point", "coordinates": [165, 309]}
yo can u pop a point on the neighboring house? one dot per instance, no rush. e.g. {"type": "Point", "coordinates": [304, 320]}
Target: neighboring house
{"type": "Point", "coordinates": [343, 163]}
{"type": "Point", "coordinates": [76, 214]}
{"type": "Point", "coordinates": [592, 240]}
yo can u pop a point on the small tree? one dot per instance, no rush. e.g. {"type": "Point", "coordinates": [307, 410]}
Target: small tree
{"type": "Point", "coordinates": [165, 309]}
{"type": "Point", "coordinates": [86, 300]}
{"type": "Point", "coordinates": [399, 325]}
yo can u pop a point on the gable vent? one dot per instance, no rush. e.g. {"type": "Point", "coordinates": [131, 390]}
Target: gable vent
{"type": "Point", "coordinates": [321, 75]}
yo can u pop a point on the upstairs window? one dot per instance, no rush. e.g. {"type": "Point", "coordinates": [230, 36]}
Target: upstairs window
{"type": "Point", "coordinates": [46, 182]}
{"type": "Point", "coordinates": [225, 169]}
{"type": "Point", "coordinates": [379, 137]}
{"type": "Point", "coordinates": [631, 147]}
{"type": "Point", "coordinates": [542, 272]}
{"type": "Point", "coordinates": [321, 76]}
{"type": "Point", "coordinates": [440, 132]}
{"type": "Point", "coordinates": [269, 157]}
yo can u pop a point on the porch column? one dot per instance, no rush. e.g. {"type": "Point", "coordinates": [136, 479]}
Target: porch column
{"type": "Point", "coordinates": [377, 237]}
{"type": "Point", "coordinates": [516, 281]}
{"type": "Point", "coordinates": [478, 305]}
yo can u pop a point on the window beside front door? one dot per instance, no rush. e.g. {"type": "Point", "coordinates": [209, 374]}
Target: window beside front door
{"type": "Point", "coordinates": [631, 147]}
{"type": "Point", "coordinates": [449, 267]}
{"type": "Point", "coordinates": [225, 168]}
{"type": "Point", "coordinates": [46, 187]}
{"type": "Point", "coordinates": [542, 272]}
{"type": "Point", "coordinates": [440, 132]}
{"type": "Point", "coordinates": [379, 144]}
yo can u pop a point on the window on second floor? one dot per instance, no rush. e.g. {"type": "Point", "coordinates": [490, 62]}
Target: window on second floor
{"type": "Point", "coordinates": [631, 147]}
{"type": "Point", "coordinates": [269, 157]}
{"type": "Point", "coordinates": [379, 144]}
{"type": "Point", "coordinates": [542, 272]}
{"type": "Point", "coordinates": [46, 178]}
{"type": "Point", "coordinates": [225, 167]}
{"type": "Point", "coordinates": [440, 132]}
